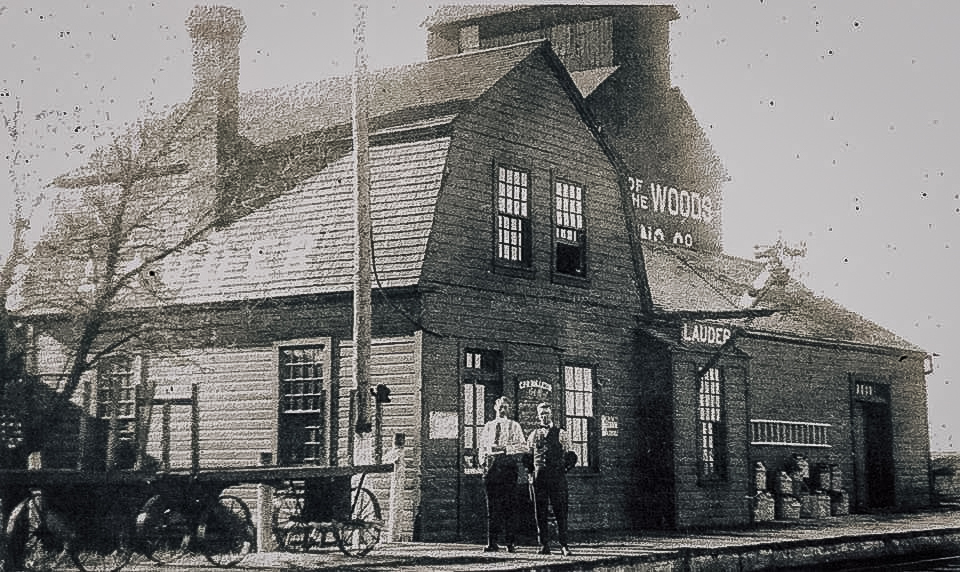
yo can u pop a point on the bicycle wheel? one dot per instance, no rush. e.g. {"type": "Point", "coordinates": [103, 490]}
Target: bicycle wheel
{"type": "Point", "coordinates": [360, 534]}
{"type": "Point", "coordinates": [163, 532]}
{"type": "Point", "coordinates": [107, 542]}
{"type": "Point", "coordinates": [37, 537]}
{"type": "Point", "coordinates": [226, 532]}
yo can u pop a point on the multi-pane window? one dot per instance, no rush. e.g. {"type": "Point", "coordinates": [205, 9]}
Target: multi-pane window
{"type": "Point", "coordinates": [482, 385]}
{"type": "Point", "coordinates": [513, 218]}
{"type": "Point", "coordinates": [569, 237]}
{"type": "Point", "coordinates": [116, 399]}
{"type": "Point", "coordinates": [301, 431]}
{"type": "Point", "coordinates": [117, 377]}
{"type": "Point", "coordinates": [578, 392]}
{"type": "Point", "coordinates": [710, 416]}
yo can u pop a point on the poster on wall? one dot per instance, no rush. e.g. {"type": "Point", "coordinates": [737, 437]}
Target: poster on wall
{"type": "Point", "coordinates": [532, 390]}
{"type": "Point", "coordinates": [443, 424]}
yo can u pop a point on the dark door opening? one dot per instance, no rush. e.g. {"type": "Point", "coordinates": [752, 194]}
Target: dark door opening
{"type": "Point", "coordinates": [878, 455]}
{"type": "Point", "coordinates": [873, 447]}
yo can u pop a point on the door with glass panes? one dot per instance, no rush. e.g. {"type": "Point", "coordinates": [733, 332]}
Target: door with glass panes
{"type": "Point", "coordinates": [482, 385]}
{"type": "Point", "coordinates": [304, 425]}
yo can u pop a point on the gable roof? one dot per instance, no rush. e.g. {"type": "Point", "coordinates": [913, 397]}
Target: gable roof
{"type": "Point", "coordinates": [426, 88]}
{"type": "Point", "coordinates": [687, 281]}
{"type": "Point", "coordinates": [273, 250]}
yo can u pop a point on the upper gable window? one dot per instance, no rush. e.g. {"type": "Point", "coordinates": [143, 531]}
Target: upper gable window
{"type": "Point", "coordinates": [513, 217]}
{"type": "Point", "coordinates": [569, 239]}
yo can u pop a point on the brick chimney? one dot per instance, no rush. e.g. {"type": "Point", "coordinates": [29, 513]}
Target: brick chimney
{"type": "Point", "coordinates": [216, 32]}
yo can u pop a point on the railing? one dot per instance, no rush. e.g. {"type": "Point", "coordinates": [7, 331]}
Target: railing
{"type": "Point", "coordinates": [794, 433]}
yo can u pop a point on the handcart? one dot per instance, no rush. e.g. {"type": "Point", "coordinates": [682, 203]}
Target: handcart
{"type": "Point", "coordinates": [100, 520]}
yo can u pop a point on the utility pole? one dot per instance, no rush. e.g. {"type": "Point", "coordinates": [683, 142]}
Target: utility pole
{"type": "Point", "coordinates": [362, 303]}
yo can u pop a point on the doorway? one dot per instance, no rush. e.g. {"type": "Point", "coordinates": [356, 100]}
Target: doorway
{"type": "Point", "coordinates": [873, 447]}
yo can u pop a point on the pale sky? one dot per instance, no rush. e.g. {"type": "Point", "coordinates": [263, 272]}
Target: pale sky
{"type": "Point", "coordinates": [837, 121]}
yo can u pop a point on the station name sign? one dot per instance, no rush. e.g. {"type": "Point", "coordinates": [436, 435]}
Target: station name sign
{"type": "Point", "coordinates": [700, 333]}
{"type": "Point", "coordinates": [673, 216]}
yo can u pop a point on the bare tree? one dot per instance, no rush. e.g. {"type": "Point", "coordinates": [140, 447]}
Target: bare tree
{"type": "Point", "coordinates": [92, 281]}
{"type": "Point", "coordinates": [95, 281]}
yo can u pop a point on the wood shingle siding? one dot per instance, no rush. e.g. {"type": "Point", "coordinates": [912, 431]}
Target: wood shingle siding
{"type": "Point", "coordinates": [302, 242]}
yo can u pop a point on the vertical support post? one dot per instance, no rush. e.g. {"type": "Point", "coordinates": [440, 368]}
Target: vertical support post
{"type": "Point", "coordinates": [377, 432]}
{"type": "Point", "coordinates": [265, 540]}
{"type": "Point", "coordinates": [195, 428]}
{"type": "Point", "coordinates": [114, 424]}
{"type": "Point", "coordinates": [85, 414]}
{"type": "Point", "coordinates": [165, 436]}
{"type": "Point", "coordinates": [397, 478]}
{"type": "Point", "coordinates": [139, 435]}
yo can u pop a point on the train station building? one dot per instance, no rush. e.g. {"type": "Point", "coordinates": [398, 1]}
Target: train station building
{"type": "Point", "coordinates": [546, 218]}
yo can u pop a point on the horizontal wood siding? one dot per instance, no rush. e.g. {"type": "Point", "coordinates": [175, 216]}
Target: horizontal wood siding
{"type": "Point", "coordinates": [238, 411]}
{"type": "Point", "coordinates": [705, 501]}
{"type": "Point", "coordinates": [394, 362]}
{"type": "Point", "coordinates": [807, 383]}
{"type": "Point", "coordinates": [527, 121]}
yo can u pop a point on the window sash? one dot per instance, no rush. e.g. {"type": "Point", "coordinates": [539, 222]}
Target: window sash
{"type": "Point", "coordinates": [569, 213]}
{"type": "Point", "coordinates": [474, 395]}
{"type": "Point", "coordinates": [578, 385]}
{"type": "Point", "coordinates": [117, 373]}
{"type": "Point", "coordinates": [513, 222]}
{"type": "Point", "coordinates": [710, 419]}
{"type": "Point", "coordinates": [302, 403]}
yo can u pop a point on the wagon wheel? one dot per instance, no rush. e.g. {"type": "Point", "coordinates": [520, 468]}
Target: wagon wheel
{"type": "Point", "coordinates": [163, 532]}
{"type": "Point", "coordinates": [291, 534]}
{"type": "Point", "coordinates": [37, 536]}
{"type": "Point", "coordinates": [107, 544]}
{"type": "Point", "coordinates": [361, 533]}
{"type": "Point", "coordinates": [226, 532]}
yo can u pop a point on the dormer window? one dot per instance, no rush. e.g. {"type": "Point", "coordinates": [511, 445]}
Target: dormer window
{"type": "Point", "coordinates": [513, 217]}
{"type": "Point", "coordinates": [569, 239]}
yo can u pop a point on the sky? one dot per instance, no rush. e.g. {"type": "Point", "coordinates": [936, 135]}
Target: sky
{"type": "Point", "coordinates": [837, 122]}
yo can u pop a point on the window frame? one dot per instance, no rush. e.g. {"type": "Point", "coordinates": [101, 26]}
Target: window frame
{"type": "Point", "coordinates": [104, 392]}
{"type": "Point", "coordinates": [589, 462]}
{"type": "Point", "coordinates": [715, 469]}
{"type": "Point", "coordinates": [491, 379]}
{"type": "Point", "coordinates": [579, 277]}
{"type": "Point", "coordinates": [327, 442]}
{"type": "Point", "coordinates": [524, 266]}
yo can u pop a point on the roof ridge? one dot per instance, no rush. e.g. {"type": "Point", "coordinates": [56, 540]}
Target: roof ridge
{"type": "Point", "coordinates": [488, 50]}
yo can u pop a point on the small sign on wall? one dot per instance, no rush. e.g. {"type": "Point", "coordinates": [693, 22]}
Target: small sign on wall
{"type": "Point", "coordinates": [609, 426]}
{"type": "Point", "coordinates": [531, 390]}
{"type": "Point", "coordinates": [443, 424]}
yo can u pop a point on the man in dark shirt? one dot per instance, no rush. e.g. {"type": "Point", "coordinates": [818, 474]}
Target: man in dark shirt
{"type": "Point", "coordinates": [550, 448]}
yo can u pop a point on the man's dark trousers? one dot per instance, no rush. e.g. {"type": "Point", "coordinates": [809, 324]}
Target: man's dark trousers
{"type": "Point", "coordinates": [500, 482]}
{"type": "Point", "coordinates": [550, 486]}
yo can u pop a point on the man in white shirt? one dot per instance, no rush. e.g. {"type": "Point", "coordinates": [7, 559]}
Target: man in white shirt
{"type": "Point", "coordinates": [501, 443]}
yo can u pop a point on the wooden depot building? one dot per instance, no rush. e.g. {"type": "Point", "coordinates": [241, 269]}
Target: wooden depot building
{"type": "Point", "coordinates": [546, 225]}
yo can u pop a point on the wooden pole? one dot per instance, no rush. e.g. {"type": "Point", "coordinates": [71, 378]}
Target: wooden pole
{"type": "Point", "coordinates": [113, 428]}
{"type": "Point", "coordinates": [85, 414]}
{"type": "Point", "coordinates": [195, 428]}
{"type": "Point", "coordinates": [165, 436]}
{"type": "Point", "coordinates": [265, 539]}
{"type": "Point", "coordinates": [396, 486]}
{"type": "Point", "coordinates": [362, 302]}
